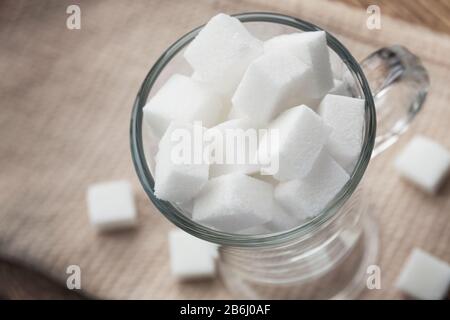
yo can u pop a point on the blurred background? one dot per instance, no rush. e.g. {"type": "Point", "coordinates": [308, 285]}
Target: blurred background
{"type": "Point", "coordinates": [66, 97]}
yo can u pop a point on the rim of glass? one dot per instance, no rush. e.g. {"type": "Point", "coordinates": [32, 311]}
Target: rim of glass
{"type": "Point", "coordinates": [231, 239]}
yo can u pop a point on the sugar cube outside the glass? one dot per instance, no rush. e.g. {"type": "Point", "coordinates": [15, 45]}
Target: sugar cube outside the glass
{"type": "Point", "coordinates": [111, 205]}
{"type": "Point", "coordinates": [424, 276]}
{"type": "Point", "coordinates": [272, 83]}
{"type": "Point", "coordinates": [222, 51]}
{"type": "Point", "coordinates": [190, 257]}
{"type": "Point", "coordinates": [183, 99]}
{"type": "Point", "coordinates": [424, 162]}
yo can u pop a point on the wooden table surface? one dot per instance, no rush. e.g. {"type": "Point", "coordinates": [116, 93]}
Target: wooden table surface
{"type": "Point", "coordinates": [21, 282]}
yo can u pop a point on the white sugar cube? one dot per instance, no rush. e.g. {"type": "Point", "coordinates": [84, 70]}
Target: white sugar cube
{"type": "Point", "coordinates": [424, 162]}
{"type": "Point", "coordinates": [183, 99]}
{"type": "Point", "coordinates": [272, 83]}
{"type": "Point", "coordinates": [338, 66]}
{"type": "Point", "coordinates": [234, 202]}
{"type": "Point", "coordinates": [302, 135]}
{"type": "Point", "coordinates": [185, 207]}
{"type": "Point", "coordinates": [180, 174]}
{"type": "Point", "coordinates": [221, 52]}
{"type": "Point", "coordinates": [424, 276]}
{"type": "Point", "coordinates": [235, 114]}
{"type": "Point", "coordinates": [255, 230]}
{"type": "Point", "coordinates": [233, 146]}
{"type": "Point", "coordinates": [281, 220]}
{"type": "Point", "coordinates": [238, 123]}
{"type": "Point", "coordinates": [346, 116]}
{"type": "Point", "coordinates": [266, 178]}
{"type": "Point", "coordinates": [111, 205]}
{"type": "Point", "coordinates": [340, 88]}
{"type": "Point", "coordinates": [311, 48]}
{"type": "Point", "coordinates": [190, 257]}
{"type": "Point", "coordinates": [307, 197]}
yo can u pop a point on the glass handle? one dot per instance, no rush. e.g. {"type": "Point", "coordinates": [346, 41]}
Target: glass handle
{"type": "Point", "coordinates": [399, 84]}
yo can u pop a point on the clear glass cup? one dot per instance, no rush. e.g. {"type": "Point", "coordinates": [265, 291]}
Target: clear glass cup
{"type": "Point", "coordinates": [327, 257]}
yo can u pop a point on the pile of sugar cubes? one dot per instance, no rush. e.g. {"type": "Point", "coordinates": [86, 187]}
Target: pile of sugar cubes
{"type": "Point", "coordinates": [284, 84]}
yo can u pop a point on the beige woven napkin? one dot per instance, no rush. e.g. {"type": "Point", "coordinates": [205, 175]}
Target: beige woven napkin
{"type": "Point", "coordinates": [66, 99]}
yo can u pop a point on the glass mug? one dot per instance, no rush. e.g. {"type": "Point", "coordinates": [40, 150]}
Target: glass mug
{"type": "Point", "coordinates": [328, 256]}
